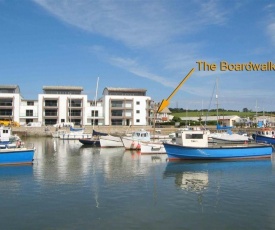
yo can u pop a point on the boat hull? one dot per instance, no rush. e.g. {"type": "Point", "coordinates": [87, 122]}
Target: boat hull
{"type": "Point", "coordinates": [16, 156]}
{"type": "Point", "coordinates": [110, 141]}
{"type": "Point", "coordinates": [90, 142]}
{"type": "Point", "coordinates": [177, 152]}
{"type": "Point", "coordinates": [260, 138]}
{"type": "Point", "coordinates": [151, 148]}
{"type": "Point", "coordinates": [130, 144]}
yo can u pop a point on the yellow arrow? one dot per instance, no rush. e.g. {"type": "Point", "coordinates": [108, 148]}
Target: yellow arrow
{"type": "Point", "coordinates": [164, 102]}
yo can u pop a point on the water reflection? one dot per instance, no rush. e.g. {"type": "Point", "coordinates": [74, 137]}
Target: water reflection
{"type": "Point", "coordinates": [195, 176]}
{"type": "Point", "coordinates": [74, 187]}
{"type": "Point", "coordinates": [68, 161]}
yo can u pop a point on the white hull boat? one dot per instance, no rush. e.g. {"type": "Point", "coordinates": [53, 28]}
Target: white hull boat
{"type": "Point", "coordinates": [110, 141]}
{"type": "Point", "coordinates": [74, 136]}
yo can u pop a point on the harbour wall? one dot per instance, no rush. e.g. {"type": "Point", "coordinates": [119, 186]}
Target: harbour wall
{"type": "Point", "coordinates": [46, 131]}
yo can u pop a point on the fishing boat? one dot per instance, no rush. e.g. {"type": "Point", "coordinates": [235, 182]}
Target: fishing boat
{"type": "Point", "coordinates": [266, 135]}
{"type": "Point", "coordinates": [17, 155]}
{"type": "Point", "coordinates": [142, 142]}
{"type": "Point", "coordinates": [133, 142]}
{"type": "Point", "coordinates": [194, 145]}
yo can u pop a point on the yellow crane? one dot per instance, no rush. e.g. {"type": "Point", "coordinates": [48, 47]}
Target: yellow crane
{"type": "Point", "coordinates": [164, 102]}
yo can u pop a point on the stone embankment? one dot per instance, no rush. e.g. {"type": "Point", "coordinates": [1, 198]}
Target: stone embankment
{"type": "Point", "coordinates": [46, 131]}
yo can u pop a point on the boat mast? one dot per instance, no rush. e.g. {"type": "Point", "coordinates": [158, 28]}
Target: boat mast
{"type": "Point", "coordinates": [95, 101]}
{"type": "Point", "coordinates": [70, 107]}
{"type": "Point", "coordinates": [217, 99]}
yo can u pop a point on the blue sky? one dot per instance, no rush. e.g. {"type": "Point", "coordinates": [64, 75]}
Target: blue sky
{"type": "Point", "coordinates": [141, 44]}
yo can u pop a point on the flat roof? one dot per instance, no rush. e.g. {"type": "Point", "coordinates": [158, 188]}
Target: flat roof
{"type": "Point", "coordinates": [125, 89]}
{"type": "Point", "coordinates": [63, 88]}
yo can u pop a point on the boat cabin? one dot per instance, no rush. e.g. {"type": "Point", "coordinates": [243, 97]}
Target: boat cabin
{"type": "Point", "coordinates": [192, 138]}
{"type": "Point", "coordinates": [5, 134]}
{"type": "Point", "coordinates": [267, 132]}
{"type": "Point", "coordinates": [141, 135]}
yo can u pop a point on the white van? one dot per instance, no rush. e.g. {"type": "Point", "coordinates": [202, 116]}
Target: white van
{"type": "Point", "coordinates": [64, 124]}
{"type": "Point", "coordinates": [34, 124]}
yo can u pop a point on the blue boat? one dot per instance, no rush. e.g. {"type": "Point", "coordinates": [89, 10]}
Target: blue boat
{"type": "Point", "coordinates": [21, 155]}
{"type": "Point", "coordinates": [265, 135]}
{"type": "Point", "coordinates": [194, 145]}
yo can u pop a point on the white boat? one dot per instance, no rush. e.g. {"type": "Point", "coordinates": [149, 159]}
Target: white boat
{"type": "Point", "coordinates": [74, 136]}
{"type": "Point", "coordinates": [132, 142]}
{"type": "Point", "coordinates": [142, 142]}
{"type": "Point", "coordinates": [110, 141]}
{"type": "Point", "coordinates": [227, 136]}
{"type": "Point", "coordinates": [151, 147]}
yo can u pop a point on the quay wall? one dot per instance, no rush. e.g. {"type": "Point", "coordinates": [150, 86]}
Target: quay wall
{"type": "Point", "coordinates": [46, 131]}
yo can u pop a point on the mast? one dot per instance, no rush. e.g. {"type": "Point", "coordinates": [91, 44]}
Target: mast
{"type": "Point", "coordinates": [95, 101]}
{"type": "Point", "coordinates": [70, 104]}
{"type": "Point", "coordinates": [217, 99]}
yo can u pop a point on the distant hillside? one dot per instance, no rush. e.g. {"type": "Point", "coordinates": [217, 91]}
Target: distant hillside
{"type": "Point", "coordinates": [222, 112]}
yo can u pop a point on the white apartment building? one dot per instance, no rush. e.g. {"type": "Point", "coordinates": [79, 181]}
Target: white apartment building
{"type": "Point", "coordinates": [124, 106]}
{"type": "Point", "coordinates": [10, 100]}
{"type": "Point", "coordinates": [58, 104]}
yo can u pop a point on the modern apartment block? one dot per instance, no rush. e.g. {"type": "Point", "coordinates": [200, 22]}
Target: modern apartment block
{"type": "Point", "coordinates": [10, 100]}
{"type": "Point", "coordinates": [123, 106]}
{"type": "Point", "coordinates": [58, 104]}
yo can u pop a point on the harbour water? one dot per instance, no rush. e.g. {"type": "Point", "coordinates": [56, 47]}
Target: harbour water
{"type": "Point", "coordinates": [74, 187]}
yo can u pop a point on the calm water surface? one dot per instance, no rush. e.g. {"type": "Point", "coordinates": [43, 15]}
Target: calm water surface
{"type": "Point", "coordinates": [72, 187]}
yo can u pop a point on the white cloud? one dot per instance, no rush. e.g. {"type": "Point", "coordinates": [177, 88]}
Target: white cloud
{"type": "Point", "coordinates": [136, 23]}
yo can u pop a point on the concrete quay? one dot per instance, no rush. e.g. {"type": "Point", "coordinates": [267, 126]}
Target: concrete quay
{"type": "Point", "coordinates": [46, 131]}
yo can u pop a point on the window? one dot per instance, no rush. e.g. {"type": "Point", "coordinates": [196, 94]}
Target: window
{"type": "Point", "coordinates": [29, 103]}
{"type": "Point", "coordinates": [75, 103]}
{"type": "Point", "coordinates": [117, 113]}
{"type": "Point", "coordinates": [29, 113]}
{"type": "Point", "coordinates": [137, 120]}
{"type": "Point", "coordinates": [94, 122]}
{"type": "Point", "coordinates": [75, 113]}
{"type": "Point", "coordinates": [138, 111]}
{"type": "Point", "coordinates": [194, 136]}
{"type": "Point", "coordinates": [5, 102]}
{"type": "Point", "coordinates": [94, 113]}
{"type": "Point", "coordinates": [117, 104]}
{"type": "Point", "coordinates": [50, 112]}
{"type": "Point", "coordinates": [116, 122]}
{"type": "Point", "coordinates": [50, 121]}
{"type": "Point", "coordinates": [6, 112]}
{"type": "Point", "coordinates": [51, 103]}
{"type": "Point", "coordinates": [138, 103]}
